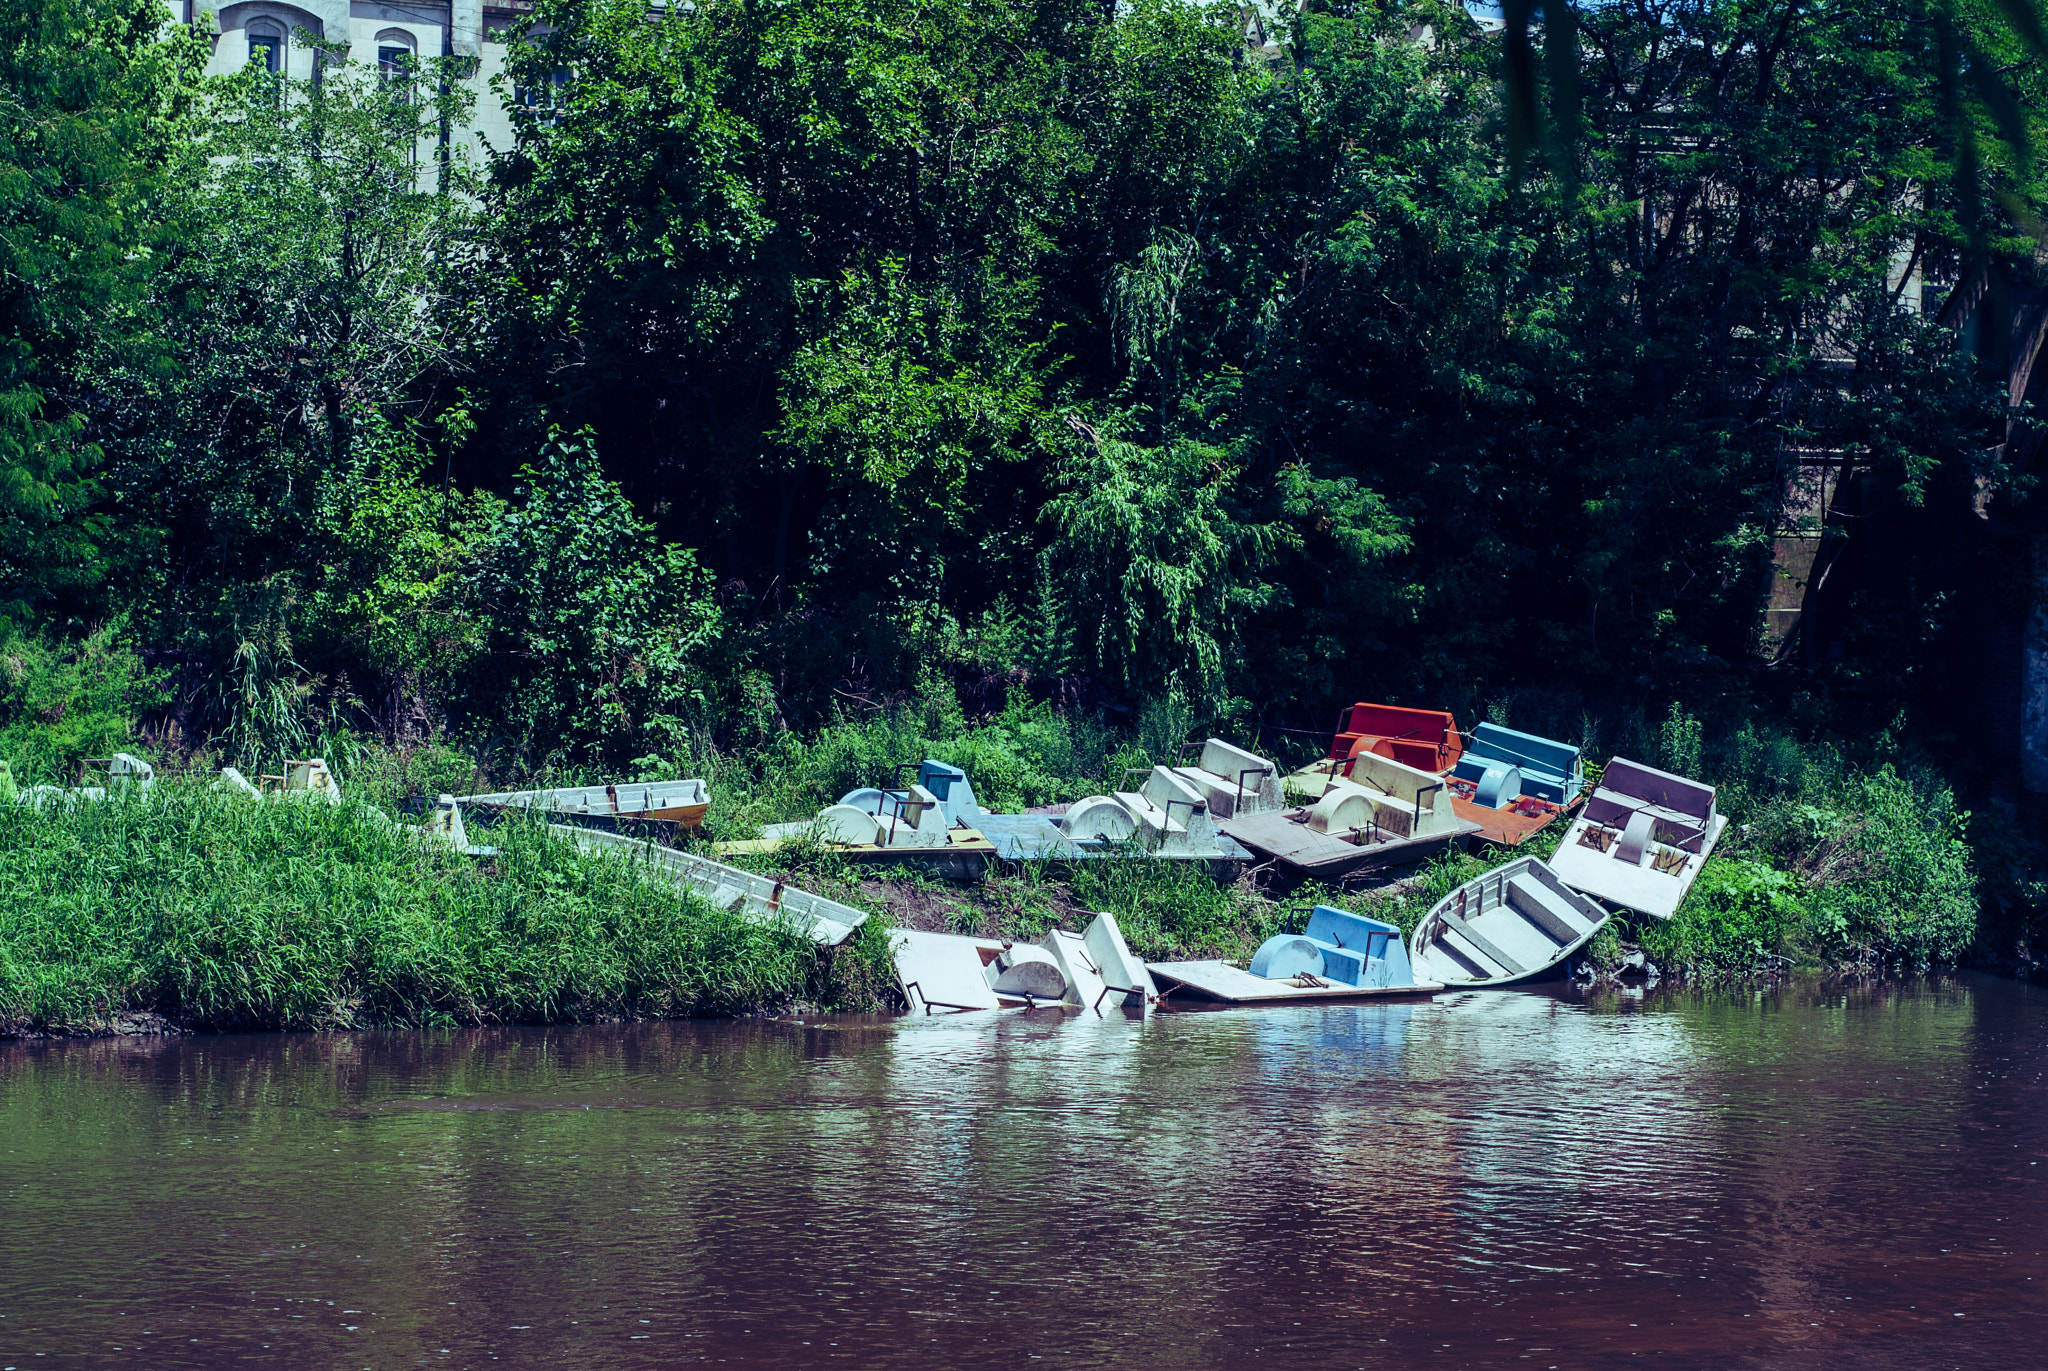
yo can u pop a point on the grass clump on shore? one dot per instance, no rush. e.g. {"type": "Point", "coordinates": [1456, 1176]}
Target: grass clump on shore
{"type": "Point", "coordinates": [217, 913]}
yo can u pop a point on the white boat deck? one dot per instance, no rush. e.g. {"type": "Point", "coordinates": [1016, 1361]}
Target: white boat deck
{"type": "Point", "coordinates": [1640, 885]}
{"type": "Point", "coordinates": [1218, 980]}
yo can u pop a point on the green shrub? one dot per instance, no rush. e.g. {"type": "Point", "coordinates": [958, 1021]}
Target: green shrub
{"type": "Point", "coordinates": [62, 701]}
{"type": "Point", "coordinates": [1894, 882]}
{"type": "Point", "coordinates": [1736, 917]}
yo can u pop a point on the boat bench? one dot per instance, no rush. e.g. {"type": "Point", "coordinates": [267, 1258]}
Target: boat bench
{"type": "Point", "coordinates": [1628, 789]}
{"type": "Point", "coordinates": [1546, 909]}
{"type": "Point", "coordinates": [950, 784]}
{"type": "Point", "coordinates": [1233, 780]}
{"type": "Point", "coordinates": [1550, 770]}
{"type": "Point", "coordinates": [1426, 739]}
{"type": "Point", "coordinates": [1352, 949]}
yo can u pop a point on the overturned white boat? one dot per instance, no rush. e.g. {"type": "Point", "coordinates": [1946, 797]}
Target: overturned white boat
{"type": "Point", "coordinates": [1642, 839]}
{"type": "Point", "coordinates": [679, 802]}
{"type": "Point", "coordinates": [1514, 923]}
{"type": "Point", "coordinates": [1092, 970]}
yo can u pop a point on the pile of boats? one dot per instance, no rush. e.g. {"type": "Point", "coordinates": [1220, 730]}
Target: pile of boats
{"type": "Point", "coordinates": [1397, 785]}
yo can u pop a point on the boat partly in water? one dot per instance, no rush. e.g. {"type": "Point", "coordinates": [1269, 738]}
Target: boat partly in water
{"type": "Point", "coordinates": [1642, 839]}
{"type": "Point", "coordinates": [1514, 923]}
{"type": "Point", "coordinates": [1092, 971]}
{"type": "Point", "coordinates": [1338, 956]}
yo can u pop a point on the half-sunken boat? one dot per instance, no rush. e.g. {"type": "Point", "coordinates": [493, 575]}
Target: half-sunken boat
{"type": "Point", "coordinates": [1380, 812]}
{"type": "Point", "coordinates": [660, 807]}
{"type": "Point", "coordinates": [1512, 784]}
{"type": "Point", "coordinates": [1092, 971]}
{"type": "Point", "coordinates": [1642, 839]}
{"type": "Point", "coordinates": [1515, 923]}
{"type": "Point", "coordinates": [1339, 956]}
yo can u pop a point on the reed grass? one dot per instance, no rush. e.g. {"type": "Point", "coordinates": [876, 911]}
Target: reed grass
{"type": "Point", "coordinates": [218, 913]}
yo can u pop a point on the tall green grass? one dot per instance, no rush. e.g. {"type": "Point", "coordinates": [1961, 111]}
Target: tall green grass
{"type": "Point", "coordinates": [216, 912]}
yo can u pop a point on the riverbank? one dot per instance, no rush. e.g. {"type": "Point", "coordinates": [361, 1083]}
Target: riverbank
{"type": "Point", "coordinates": [198, 910]}
{"type": "Point", "coordinates": [195, 909]}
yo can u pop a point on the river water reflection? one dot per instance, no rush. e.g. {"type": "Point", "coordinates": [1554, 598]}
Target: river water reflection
{"type": "Point", "coordinates": [1530, 1179]}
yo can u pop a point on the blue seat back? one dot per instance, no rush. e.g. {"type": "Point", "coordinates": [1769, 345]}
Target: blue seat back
{"type": "Point", "coordinates": [949, 783]}
{"type": "Point", "coordinates": [1359, 951]}
{"type": "Point", "coordinates": [1550, 769]}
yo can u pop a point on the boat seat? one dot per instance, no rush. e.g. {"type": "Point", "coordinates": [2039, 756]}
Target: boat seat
{"type": "Point", "coordinates": [950, 784]}
{"type": "Point", "coordinates": [1149, 815]}
{"type": "Point", "coordinates": [1545, 908]}
{"type": "Point", "coordinates": [1551, 770]}
{"type": "Point", "coordinates": [1485, 946]}
{"type": "Point", "coordinates": [1500, 785]}
{"type": "Point", "coordinates": [1284, 956]}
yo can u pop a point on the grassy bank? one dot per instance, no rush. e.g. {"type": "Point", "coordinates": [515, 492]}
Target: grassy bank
{"type": "Point", "coordinates": [212, 912]}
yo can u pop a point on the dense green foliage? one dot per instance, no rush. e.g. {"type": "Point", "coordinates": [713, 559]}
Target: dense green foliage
{"type": "Point", "coordinates": [799, 363]}
{"type": "Point", "coordinates": [214, 912]}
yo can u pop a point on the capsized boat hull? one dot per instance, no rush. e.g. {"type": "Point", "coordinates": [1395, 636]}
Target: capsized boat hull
{"type": "Point", "coordinates": [1220, 982]}
{"type": "Point", "coordinates": [1517, 922]}
{"type": "Point", "coordinates": [682, 802]}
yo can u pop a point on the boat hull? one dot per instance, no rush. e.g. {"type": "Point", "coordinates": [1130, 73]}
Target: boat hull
{"type": "Point", "coordinates": [1517, 922]}
{"type": "Point", "coordinates": [1288, 839]}
{"type": "Point", "coordinates": [1218, 982]}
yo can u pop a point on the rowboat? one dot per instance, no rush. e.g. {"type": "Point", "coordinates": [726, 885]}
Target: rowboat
{"type": "Point", "coordinates": [1339, 956]}
{"type": "Point", "coordinates": [681, 803]}
{"type": "Point", "coordinates": [1514, 923]}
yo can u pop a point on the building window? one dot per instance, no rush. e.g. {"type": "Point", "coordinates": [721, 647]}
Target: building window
{"type": "Point", "coordinates": [267, 51]}
{"type": "Point", "coordinates": [391, 60]}
{"type": "Point", "coordinates": [547, 95]}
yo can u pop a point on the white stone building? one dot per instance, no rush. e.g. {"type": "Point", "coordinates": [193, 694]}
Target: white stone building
{"type": "Point", "coordinates": [265, 31]}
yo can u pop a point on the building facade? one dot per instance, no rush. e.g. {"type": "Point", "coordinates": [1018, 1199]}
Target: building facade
{"type": "Point", "coordinates": [270, 32]}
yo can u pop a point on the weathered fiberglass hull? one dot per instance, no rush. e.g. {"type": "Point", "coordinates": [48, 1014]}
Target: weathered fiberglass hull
{"type": "Point", "coordinates": [1286, 838]}
{"type": "Point", "coordinates": [1517, 922]}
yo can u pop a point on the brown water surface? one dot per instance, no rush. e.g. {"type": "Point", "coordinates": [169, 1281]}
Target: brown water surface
{"type": "Point", "coordinates": [1792, 1178]}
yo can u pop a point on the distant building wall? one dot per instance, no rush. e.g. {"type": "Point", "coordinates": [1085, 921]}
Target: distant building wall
{"type": "Point", "coordinates": [243, 31]}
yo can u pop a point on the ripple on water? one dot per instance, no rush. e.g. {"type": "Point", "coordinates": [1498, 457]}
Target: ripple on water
{"type": "Point", "coordinates": [1720, 1178]}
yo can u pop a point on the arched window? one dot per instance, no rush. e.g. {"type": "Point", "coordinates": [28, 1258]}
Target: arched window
{"type": "Point", "coordinates": [396, 50]}
{"type": "Point", "coordinates": [266, 45]}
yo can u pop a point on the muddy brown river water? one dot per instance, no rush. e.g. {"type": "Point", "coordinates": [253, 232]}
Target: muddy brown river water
{"type": "Point", "coordinates": [1790, 1178]}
